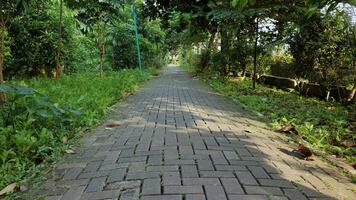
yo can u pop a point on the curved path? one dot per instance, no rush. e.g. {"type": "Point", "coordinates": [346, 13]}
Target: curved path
{"type": "Point", "coordinates": [179, 140]}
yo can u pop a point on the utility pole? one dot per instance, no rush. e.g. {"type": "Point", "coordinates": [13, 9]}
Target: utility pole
{"type": "Point", "coordinates": [134, 14]}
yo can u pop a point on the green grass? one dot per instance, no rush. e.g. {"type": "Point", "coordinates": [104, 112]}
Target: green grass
{"type": "Point", "coordinates": [33, 140]}
{"type": "Point", "coordinates": [189, 68]}
{"type": "Point", "coordinates": [323, 124]}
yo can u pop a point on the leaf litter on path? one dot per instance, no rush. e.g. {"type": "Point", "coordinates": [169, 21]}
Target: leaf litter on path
{"type": "Point", "coordinates": [288, 128]}
{"type": "Point", "coordinates": [112, 124]}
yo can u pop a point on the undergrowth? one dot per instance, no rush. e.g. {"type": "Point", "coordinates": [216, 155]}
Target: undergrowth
{"type": "Point", "coordinates": [323, 124]}
{"type": "Point", "coordinates": [41, 118]}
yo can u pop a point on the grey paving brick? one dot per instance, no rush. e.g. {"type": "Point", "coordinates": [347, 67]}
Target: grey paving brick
{"type": "Point", "coordinates": [171, 178]}
{"type": "Point", "coordinates": [232, 186]}
{"type": "Point", "coordinates": [195, 197]}
{"type": "Point", "coordinates": [163, 197]}
{"type": "Point", "coordinates": [276, 183]}
{"type": "Point", "coordinates": [294, 194]}
{"type": "Point", "coordinates": [109, 194]}
{"type": "Point", "coordinates": [183, 189]}
{"type": "Point", "coordinates": [169, 168]}
{"type": "Point", "coordinates": [96, 184]}
{"type": "Point", "coordinates": [93, 174]}
{"type": "Point", "coordinates": [72, 173]}
{"type": "Point", "coordinates": [246, 178]}
{"type": "Point", "coordinates": [130, 194]}
{"type": "Point", "coordinates": [201, 181]}
{"type": "Point", "coordinates": [151, 186]}
{"type": "Point", "coordinates": [230, 168]}
{"type": "Point", "coordinates": [74, 193]}
{"type": "Point", "coordinates": [215, 192]}
{"type": "Point", "coordinates": [123, 185]}
{"type": "Point", "coordinates": [116, 175]}
{"type": "Point", "coordinates": [189, 171]}
{"type": "Point", "coordinates": [142, 175]}
{"type": "Point", "coordinates": [231, 155]}
{"type": "Point", "coordinates": [205, 165]}
{"type": "Point", "coordinates": [258, 172]}
{"type": "Point", "coordinates": [248, 197]}
{"type": "Point", "coordinates": [263, 190]}
{"type": "Point", "coordinates": [74, 183]}
{"type": "Point", "coordinates": [217, 174]}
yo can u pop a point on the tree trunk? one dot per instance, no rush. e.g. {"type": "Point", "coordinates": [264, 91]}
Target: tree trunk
{"type": "Point", "coordinates": [224, 50]}
{"type": "Point", "coordinates": [102, 52]}
{"type": "Point", "coordinates": [59, 40]}
{"type": "Point", "coordinates": [243, 70]}
{"type": "Point", "coordinates": [209, 50]}
{"type": "Point", "coordinates": [255, 57]}
{"type": "Point", "coordinates": [2, 49]}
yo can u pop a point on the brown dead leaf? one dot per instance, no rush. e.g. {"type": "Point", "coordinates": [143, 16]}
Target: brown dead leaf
{"type": "Point", "coordinates": [305, 152]}
{"type": "Point", "coordinates": [9, 189]}
{"type": "Point", "coordinates": [288, 129]}
{"type": "Point", "coordinates": [127, 92]}
{"type": "Point", "coordinates": [348, 143]}
{"type": "Point", "coordinates": [65, 139]}
{"type": "Point", "coordinates": [57, 178]}
{"type": "Point", "coordinates": [112, 123]}
{"type": "Point", "coordinates": [70, 151]}
{"type": "Point", "coordinates": [354, 165]}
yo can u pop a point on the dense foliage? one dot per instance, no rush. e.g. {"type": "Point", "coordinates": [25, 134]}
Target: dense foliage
{"type": "Point", "coordinates": [88, 35]}
{"type": "Point", "coordinates": [38, 114]}
{"type": "Point", "coordinates": [239, 36]}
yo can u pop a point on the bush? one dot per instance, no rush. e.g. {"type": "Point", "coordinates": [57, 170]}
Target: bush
{"type": "Point", "coordinates": [33, 41]}
{"type": "Point", "coordinates": [33, 122]}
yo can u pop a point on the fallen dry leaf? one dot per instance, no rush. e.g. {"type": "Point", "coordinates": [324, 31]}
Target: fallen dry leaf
{"type": "Point", "coordinates": [65, 139]}
{"type": "Point", "coordinates": [112, 123]}
{"type": "Point", "coordinates": [57, 178]}
{"type": "Point", "coordinates": [8, 189]}
{"type": "Point", "coordinates": [70, 151]}
{"type": "Point", "coordinates": [288, 129]}
{"type": "Point", "coordinates": [127, 92]}
{"type": "Point", "coordinates": [305, 152]}
{"type": "Point", "coordinates": [354, 165]}
{"type": "Point", "coordinates": [348, 143]}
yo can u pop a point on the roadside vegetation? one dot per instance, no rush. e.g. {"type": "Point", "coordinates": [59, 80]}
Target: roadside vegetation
{"type": "Point", "coordinates": [323, 125]}
{"type": "Point", "coordinates": [62, 65]}
{"type": "Point", "coordinates": [41, 118]}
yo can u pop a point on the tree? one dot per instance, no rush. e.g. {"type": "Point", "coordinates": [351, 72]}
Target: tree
{"type": "Point", "coordinates": [59, 43]}
{"type": "Point", "coordinates": [8, 9]}
{"type": "Point", "coordinates": [96, 15]}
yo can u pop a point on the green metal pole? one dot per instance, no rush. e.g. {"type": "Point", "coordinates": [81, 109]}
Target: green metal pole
{"type": "Point", "coordinates": [134, 14]}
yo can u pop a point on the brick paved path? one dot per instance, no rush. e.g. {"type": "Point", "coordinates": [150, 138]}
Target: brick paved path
{"type": "Point", "coordinates": [181, 141]}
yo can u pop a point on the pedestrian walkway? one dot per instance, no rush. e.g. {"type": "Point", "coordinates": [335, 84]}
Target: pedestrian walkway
{"type": "Point", "coordinates": [179, 140]}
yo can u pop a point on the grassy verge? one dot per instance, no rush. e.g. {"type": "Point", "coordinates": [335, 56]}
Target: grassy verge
{"type": "Point", "coordinates": [38, 125]}
{"type": "Point", "coordinates": [322, 124]}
